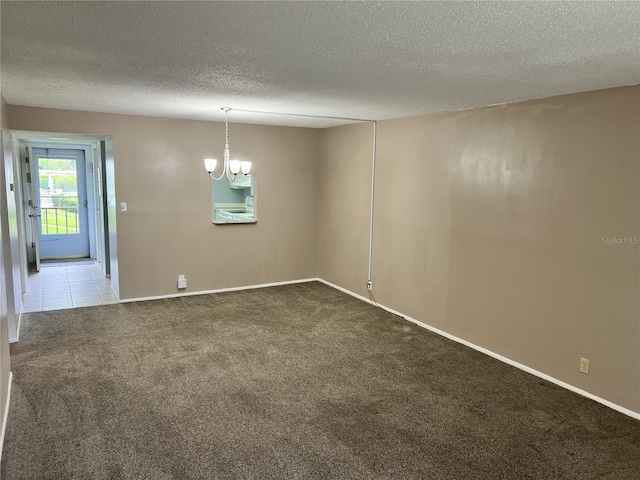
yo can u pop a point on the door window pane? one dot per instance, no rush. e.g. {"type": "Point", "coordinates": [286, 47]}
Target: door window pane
{"type": "Point", "coordinates": [59, 209]}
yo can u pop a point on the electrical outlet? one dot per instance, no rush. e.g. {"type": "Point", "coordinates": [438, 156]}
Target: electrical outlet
{"type": "Point", "coordinates": [584, 366]}
{"type": "Point", "coordinates": [182, 282]}
{"type": "Point", "coordinates": [369, 285]}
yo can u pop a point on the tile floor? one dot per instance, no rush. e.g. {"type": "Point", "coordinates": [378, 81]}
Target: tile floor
{"type": "Point", "coordinates": [58, 287]}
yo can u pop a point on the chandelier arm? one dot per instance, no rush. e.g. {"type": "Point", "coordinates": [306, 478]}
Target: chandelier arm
{"type": "Point", "coordinates": [212, 176]}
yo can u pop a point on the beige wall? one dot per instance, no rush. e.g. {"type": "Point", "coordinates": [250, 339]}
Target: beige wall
{"type": "Point", "coordinates": [168, 231]}
{"type": "Point", "coordinates": [489, 226]}
{"type": "Point", "coordinates": [343, 210]}
{"type": "Point", "coordinates": [4, 112]}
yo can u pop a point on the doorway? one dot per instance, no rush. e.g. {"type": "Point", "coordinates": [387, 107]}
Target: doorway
{"type": "Point", "coordinates": [65, 227]}
{"type": "Point", "coordinates": [60, 212]}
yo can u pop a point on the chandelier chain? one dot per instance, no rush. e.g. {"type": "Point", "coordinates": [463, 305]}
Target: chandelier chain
{"type": "Point", "coordinates": [226, 129]}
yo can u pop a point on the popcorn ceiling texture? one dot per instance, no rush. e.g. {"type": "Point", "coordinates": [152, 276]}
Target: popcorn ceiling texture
{"type": "Point", "coordinates": [374, 60]}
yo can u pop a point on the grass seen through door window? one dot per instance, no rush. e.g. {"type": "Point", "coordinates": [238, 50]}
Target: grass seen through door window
{"type": "Point", "coordinates": [60, 220]}
{"type": "Point", "coordinates": [58, 180]}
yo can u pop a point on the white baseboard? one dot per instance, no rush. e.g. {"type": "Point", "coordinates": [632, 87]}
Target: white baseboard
{"type": "Point", "coordinates": [219, 290]}
{"type": "Point", "coordinates": [506, 360]}
{"type": "Point", "coordinates": [5, 416]}
{"type": "Point", "coordinates": [348, 292]}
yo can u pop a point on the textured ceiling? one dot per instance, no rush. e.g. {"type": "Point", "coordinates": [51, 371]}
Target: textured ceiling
{"type": "Point", "coordinates": [371, 60]}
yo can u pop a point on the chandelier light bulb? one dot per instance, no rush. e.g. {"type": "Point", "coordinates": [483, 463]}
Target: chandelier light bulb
{"type": "Point", "coordinates": [246, 167]}
{"type": "Point", "coordinates": [234, 166]}
{"type": "Point", "coordinates": [210, 164]}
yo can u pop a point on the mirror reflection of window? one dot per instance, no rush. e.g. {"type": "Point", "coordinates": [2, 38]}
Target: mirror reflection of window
{"type": "Point", "coordinates": [234, 201]}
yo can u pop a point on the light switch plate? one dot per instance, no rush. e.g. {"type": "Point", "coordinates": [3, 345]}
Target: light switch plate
{"type": "Point", "coordinates": [123, 206]}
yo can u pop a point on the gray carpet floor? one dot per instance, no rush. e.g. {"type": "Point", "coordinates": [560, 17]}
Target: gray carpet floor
{"type": "Point", "coordinates": [299, 381]}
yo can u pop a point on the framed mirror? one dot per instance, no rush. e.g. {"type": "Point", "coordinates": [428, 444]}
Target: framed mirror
{"type": "Point", "coordinates": [234, 201]}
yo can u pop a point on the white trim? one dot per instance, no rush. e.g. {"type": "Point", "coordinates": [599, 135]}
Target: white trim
{"type": "Point", "coordinates": [5, 417]}
{"type": "Point", "coordinates": [506, 360]}
{"type": "Point", "coordinates": [17, 337]}
{"type": "Point", "coordinates": [219, 290]}
{"type": "Point", "coordinates": [373, 197]}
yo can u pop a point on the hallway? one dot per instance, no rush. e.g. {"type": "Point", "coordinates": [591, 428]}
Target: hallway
{"type": "Point", "coordinates": [57, 287]}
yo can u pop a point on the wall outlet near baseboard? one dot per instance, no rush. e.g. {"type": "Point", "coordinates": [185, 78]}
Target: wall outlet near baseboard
{"type": "Point", "coordinates": [584, 366]}
{"type": "Point", "coordinates": [369, 285]}
{"type": "Point", "coordinates": [182, 282]}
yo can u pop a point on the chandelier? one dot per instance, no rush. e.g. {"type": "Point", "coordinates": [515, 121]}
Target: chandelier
{"type": "Point", "coordinates": [231, 168]}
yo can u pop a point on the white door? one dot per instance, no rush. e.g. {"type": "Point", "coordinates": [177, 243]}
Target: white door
{"type": "Point", "coordinates": [59, 188]}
